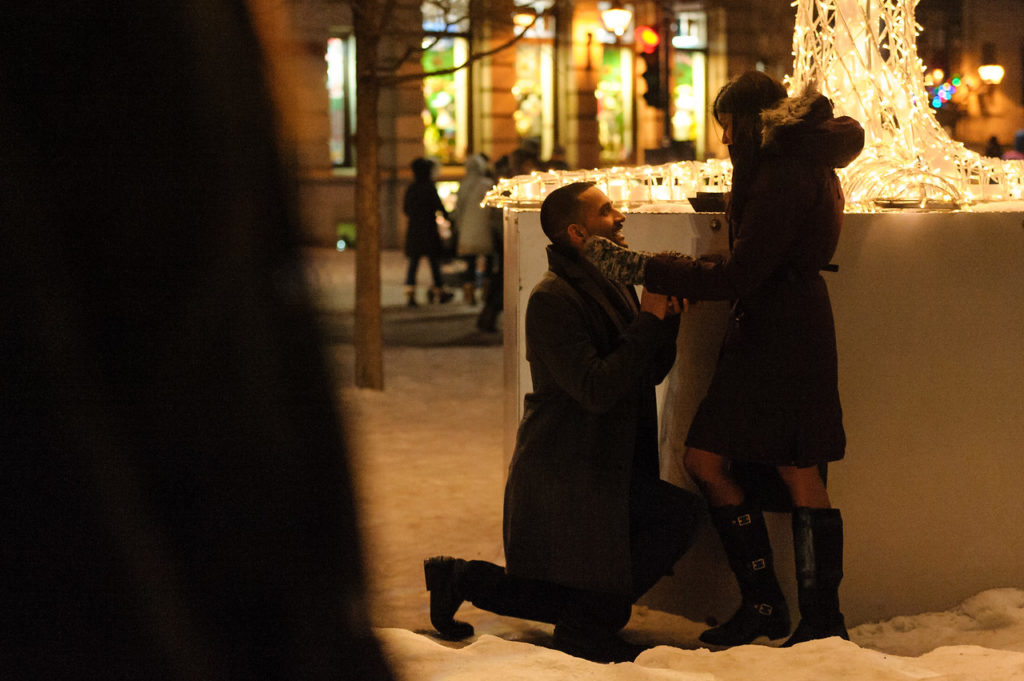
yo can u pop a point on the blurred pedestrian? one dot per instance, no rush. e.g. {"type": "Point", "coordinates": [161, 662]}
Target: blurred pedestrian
{"type": "Point", "coordinates": [1017, 152]}
{"type": "Point", "coordinates": [475, 243]}
{"type": "Point", "coordinates": [522, 161]}
{"type": "Point", "coordinates": [993, 149]}
{"type": "Point", "coordinates": [423, 208]}
{"type": "Point", "coordinates": [175, 500]}
{"type": "Point", "coordinates": [557, 160]}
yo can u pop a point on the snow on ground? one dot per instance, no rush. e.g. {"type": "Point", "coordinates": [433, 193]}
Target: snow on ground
{"type": "Point", "coordinates": [427, 461]}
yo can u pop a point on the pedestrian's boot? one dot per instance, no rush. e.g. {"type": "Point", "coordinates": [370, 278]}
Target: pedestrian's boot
{"type": "Point", "coordinates": [469, 293]}
{"type": "Point", "coordinates": [818, 545]}
{"type": "Point", "coordinates": [410, 296]}
{"type": "Point", "coordinates": [443, 576]}
{"type": "Point", "coordinates": [439, 294]}
{"type": "Point", "coordinates": [763, 610]}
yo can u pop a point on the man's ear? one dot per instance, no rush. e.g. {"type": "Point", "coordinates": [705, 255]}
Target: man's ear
{"type": "Point", "coordinates": [577, 234]}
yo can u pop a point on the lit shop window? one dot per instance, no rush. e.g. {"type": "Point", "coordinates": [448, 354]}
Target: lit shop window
{"type": "Point", "coordinates": [534, 88]}
{"type": "Point", "coordinates": [615, 105]}
{"type": "Point", "coordinates": [688, 82]}
{"type": "Point", "coordinates": [689, 72]}
{"type": "Point", "coordinates": [341, 80]}
{"type": "Point", "coordinates": [446, 96]}
{"type": "Point", "coordinates": [445, 101]}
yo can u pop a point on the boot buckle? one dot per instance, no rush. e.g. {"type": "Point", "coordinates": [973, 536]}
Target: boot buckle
{"type": "Point", "coordinates": [759, 564]}
{"type": "Point", "coordinates": [742, 520]}
{"type": "Point", "coordinates": [765, 609]}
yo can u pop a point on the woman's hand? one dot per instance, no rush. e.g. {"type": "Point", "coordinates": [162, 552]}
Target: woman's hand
{"type": "Point", "coordinates": [615, 262]}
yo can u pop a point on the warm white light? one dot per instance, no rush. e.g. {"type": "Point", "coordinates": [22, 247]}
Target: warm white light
{"type": "Point", "coordinates": [524, 17]}
{"type": "Point", "coordinates": [909, 161]}
{"type": "Point", "coordinates": [991, 74]}
{"type": "Point", "coordinates": [616, 18]}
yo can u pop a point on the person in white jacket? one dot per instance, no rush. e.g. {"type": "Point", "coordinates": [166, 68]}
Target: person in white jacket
{"type": "Point", "coordinates": [471, 220]}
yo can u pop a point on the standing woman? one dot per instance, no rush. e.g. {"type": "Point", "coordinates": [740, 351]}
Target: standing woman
{"type": "Point", "coordinates": [774, 397]}
{"type": "Point", "coordinates": [422, 206]}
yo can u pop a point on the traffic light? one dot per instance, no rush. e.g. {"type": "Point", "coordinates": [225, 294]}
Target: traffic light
{"type": "Point", "coordinates": [649, 41]}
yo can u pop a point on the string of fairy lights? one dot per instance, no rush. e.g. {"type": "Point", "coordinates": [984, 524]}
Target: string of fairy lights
{"type": "Point", "coordinates": [862, 54]}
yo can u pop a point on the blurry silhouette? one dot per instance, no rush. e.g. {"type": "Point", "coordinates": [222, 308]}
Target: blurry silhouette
{"type": "Point", "coordinates": [993, 149]}
{"type": "Point", "coordinates": [423, 207]}
{"type": "Point", "coordinates": [557, 160]}
{"type": "Point", "coordinates": [476, 245]}
{"type": "Point", "coordinates": [1017, 152]}
{"type": "Point", "coordinates": [522, 161]}
{"type": "Point", "coordinates": [176, 502]}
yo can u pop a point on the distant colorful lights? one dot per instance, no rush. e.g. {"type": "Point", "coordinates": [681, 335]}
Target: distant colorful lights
{"type": "Point", "coordinates": [943, 93]}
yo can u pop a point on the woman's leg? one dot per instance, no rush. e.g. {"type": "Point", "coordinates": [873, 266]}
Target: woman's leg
{"type": "Point", "coordinates": [437, 292]}
{"type": "Point", "coordinates": [806, 487]}
{"type": "Point", "coordinates": [744, 534]}
{"type": "Point", "coordinates": [410, 273]}
{"type": "Point", "coordinates": [818, 549]}
{"type": "Point", "coordinates": [410, 280]}
{"type": "Point", "coordinates": [711, 473]}
{"type": "Point", "coordinates": [435, 271]}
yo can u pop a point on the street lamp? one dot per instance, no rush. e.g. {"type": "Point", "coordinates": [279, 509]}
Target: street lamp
{"type": "Point", "coordinates": [991, 74]}
{"type": "Point", "coordinates": [616, 18]}
{"type": "Point", "coordinates": [524, 17]}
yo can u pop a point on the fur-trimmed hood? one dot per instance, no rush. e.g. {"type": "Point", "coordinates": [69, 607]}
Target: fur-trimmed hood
{"type": "Point", "coordinates": [804, 125]}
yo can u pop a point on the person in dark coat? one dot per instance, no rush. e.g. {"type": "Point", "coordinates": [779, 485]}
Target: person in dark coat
{"type": "Point", "coordinates": [774, 397]}
{"type": "Point", "coordinates": [176, 502]}
{"type": "Point", "coordinates": [589, 525]}
{"type": "Point", "coordinates": [422, 206]}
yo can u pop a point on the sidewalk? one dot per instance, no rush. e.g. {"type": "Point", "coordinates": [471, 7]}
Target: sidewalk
{"type": "Point", "coordinates": [332, 276]}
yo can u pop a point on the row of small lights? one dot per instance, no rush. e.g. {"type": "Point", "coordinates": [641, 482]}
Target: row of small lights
{"type": "Point", "coordinates": [973, 178]}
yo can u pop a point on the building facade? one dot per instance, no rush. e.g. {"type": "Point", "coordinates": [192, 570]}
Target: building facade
{"type": "Point", "coordinates": [575, 87]}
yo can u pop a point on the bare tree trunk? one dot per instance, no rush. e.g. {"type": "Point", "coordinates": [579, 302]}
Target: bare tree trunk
{"type": "Point", "coordinates": [368, 339]}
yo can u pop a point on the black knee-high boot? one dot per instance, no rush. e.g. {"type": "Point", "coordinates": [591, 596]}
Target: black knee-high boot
{"type": "Point", "coordinates": [763, 611]}
{"type": "Point", "coordinates": [818, 544]}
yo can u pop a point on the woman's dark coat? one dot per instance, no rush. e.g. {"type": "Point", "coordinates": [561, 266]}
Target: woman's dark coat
{"type": "Point", "coordinates": [421, 206]}
{"type": "Point", "coordinates": [590, 419]}
{"type": "Point", "coordinates": [774, 397]}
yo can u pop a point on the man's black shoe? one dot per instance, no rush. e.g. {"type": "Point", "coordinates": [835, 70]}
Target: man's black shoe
{"type": "Point", "coordinates": [441, 573]}
{"type": "Point", "coordinates": [594, 646]}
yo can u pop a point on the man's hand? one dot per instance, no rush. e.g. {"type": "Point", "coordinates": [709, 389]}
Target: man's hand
{"type": "Point", "coordinates": [657, 304]}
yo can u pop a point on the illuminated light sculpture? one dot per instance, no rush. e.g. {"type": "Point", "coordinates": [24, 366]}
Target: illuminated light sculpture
{"type": "Point", "coordinates": [862, 54]}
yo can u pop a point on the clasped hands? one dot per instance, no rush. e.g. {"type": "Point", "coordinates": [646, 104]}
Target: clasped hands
{"type": "Point", "coordinates": [627, 266]}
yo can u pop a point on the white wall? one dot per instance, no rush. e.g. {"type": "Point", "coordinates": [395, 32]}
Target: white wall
{"type": "Point", "coordinates": [929, 311]}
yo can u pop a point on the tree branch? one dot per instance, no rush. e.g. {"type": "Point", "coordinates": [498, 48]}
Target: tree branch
{"type": "Point", "coordinates": [406, 77]}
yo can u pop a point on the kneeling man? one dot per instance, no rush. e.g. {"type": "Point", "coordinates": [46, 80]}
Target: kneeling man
{"type": "Point", "coordinates": [589, 525]}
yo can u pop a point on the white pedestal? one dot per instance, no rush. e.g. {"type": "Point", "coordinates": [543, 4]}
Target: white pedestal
{"type": "Point", "coordinates": [929, 312]}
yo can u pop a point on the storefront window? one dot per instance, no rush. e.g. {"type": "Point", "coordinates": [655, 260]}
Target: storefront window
{"type": "Point", "coordinates": [534, 88]}
{"type": "Point", "coordinates": [688, 84]}
{"type": "Point", "coordinates": [446, 96]}
{"type": "Point", "coordinates": [340, 58]}
{"type": "Point", "coordinates": [615, 105]}
{"type": "Point", "coordinates": [688, 98]}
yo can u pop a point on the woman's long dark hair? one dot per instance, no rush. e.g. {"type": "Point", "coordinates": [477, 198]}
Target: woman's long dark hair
{"type": "Point", "coordinates": [745, 97]}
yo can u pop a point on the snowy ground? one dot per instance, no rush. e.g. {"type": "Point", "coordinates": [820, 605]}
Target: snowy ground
{"type": "Point", "coordinates": [427, 459]}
